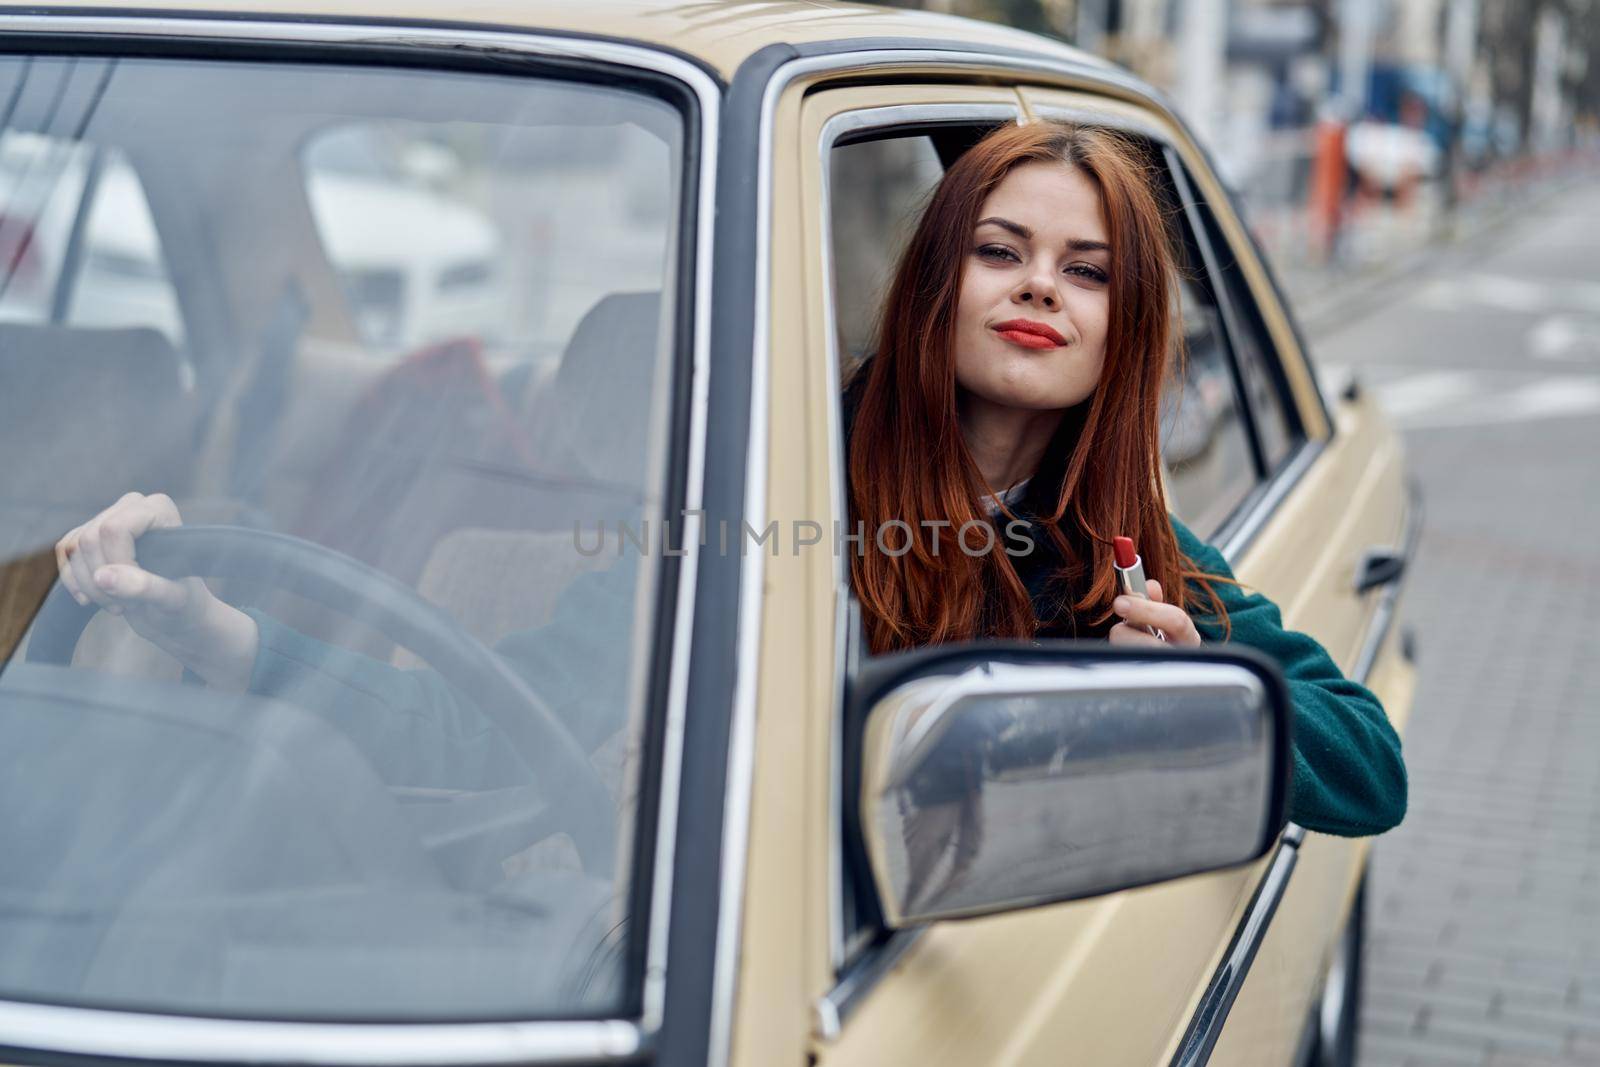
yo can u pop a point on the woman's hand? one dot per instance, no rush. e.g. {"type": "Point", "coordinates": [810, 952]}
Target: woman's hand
{"type": "Point", "coordinates": [97, 564]}
{"type": "Point", "coordinates": [1136, 614]}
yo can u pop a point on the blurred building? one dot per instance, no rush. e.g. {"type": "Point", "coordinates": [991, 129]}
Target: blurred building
{"type": "Point", "coordinates": [1352, 128]}
{"type": "Point", "coordinates": [1501, 76]}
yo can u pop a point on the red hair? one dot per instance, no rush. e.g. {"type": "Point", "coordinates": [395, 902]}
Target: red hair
{"type": "Point", "coordinates": [909, 461]}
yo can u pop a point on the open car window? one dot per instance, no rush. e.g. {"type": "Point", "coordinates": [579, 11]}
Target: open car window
{"type": "Point", "coordinates": [878, 187]}
{"type": "Point", "coordinates": [400, 345]}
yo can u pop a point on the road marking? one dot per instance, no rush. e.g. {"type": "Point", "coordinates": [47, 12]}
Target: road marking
{"type": "Point", "coordinates": [1564, 337]}
{"type": "Point", "coordinates": [1506, 292]}
{"type": "Point", "coordinates": [1425, 392]}
{"type": "Point", "coordinates": [1443, 399]}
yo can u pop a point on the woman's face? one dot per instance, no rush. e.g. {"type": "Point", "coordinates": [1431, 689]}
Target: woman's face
{"type": "Point", "coordinates": [1038, 257]}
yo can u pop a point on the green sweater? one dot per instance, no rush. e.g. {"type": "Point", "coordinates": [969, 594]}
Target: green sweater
{"type": "Point", "coordinates": [1348, 777]}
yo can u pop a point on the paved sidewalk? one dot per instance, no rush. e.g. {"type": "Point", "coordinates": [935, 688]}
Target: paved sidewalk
{"type": "Point", "coordinates": [1484, 929]}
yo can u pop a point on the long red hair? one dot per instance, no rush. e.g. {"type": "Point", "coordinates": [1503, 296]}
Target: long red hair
{"type": "Point", "coordinates": [907, 457]}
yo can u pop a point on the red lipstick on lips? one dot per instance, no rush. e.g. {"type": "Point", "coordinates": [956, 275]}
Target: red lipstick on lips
{"type": "Point", "coordinates": [1029, 334]}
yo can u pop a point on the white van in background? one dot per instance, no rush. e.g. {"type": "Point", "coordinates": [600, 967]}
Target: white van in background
{"type": "Point", "coordinates": [432, 279]}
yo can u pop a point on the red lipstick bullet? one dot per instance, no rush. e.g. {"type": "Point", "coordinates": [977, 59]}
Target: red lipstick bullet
{"type": "Point", "coordinates": [1130, 573]}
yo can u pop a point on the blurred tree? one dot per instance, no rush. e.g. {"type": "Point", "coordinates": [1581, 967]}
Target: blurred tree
{"type": "Point", "coordinates": [1027, 15]}
{"type": "Point", "coordinates": [1507, 42]}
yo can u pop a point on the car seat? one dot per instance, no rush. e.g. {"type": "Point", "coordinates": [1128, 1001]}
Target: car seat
{"type": "Point", "coordinates": [87, 414]}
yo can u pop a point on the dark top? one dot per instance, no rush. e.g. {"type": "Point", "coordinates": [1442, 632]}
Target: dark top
{"type": "Point", "coordinates": [1047, 574]}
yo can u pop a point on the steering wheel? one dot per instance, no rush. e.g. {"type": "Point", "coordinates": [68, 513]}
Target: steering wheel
{"type": "Point", "coordinates": [580, 802]}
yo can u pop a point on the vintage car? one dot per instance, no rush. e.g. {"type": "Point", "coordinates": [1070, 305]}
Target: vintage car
{"type": "Point", "coordinates": [561, 744]}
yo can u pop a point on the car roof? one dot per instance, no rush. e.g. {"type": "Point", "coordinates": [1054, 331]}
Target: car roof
{"type": "Point", "coordinates": [720, 33]}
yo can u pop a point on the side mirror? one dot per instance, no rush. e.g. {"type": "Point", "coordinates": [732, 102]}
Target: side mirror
{"type": "Point", "coordinates": [996, 776]}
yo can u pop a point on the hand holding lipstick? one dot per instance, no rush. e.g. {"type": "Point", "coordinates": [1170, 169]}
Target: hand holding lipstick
{"type": "Point", "coordinates": [1146, 617]}
{"type": "Point", "coordinates": [1151, 610]}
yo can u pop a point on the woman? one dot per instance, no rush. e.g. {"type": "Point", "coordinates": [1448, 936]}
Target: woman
{"type": "Point", "coordinates": [1022, 345]}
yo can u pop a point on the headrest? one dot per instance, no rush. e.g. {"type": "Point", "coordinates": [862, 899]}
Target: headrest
{"type": "Point", "coordinates": [599, 405]}
{"type": "Point", "coordinates": [98, 412]}
{"type": "Point", "coordinates": [140, 354]}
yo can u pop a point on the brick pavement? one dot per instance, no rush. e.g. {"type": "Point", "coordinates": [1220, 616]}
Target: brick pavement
{"type": "Point", "coordinates": [1484, 929]}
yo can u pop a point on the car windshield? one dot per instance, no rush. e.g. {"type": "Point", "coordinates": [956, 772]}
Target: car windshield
{"type": "Point", "coordinates": [383, 357]}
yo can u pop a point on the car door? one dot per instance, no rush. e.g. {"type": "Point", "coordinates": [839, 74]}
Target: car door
{"type": "Point", "coordinates": [196, 874]}
{"type": "Point", "coordinates": [1329, 494]}
{"type": "Point", "coordinates": [1109, 980]}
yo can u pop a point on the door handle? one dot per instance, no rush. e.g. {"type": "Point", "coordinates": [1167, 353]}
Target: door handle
{"type": "Point", "coordinates": [1379, 566]}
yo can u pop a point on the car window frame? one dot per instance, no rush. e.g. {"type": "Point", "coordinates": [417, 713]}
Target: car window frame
{"type": "Point", "coordinates": [859, 962]}
{"type": "Point", "coordinates": [848, 946]}
{"type": "Point", "coordinates": [1198, 259]}
{"type": "Point", "coordinates": [70, 1033]}
{"type": "Point", "coordinates": [1252, 326]}
{"type": "Point", "coordinates": [1225, 282]}
{"type": "Point", "coordinates": [1198, 240]}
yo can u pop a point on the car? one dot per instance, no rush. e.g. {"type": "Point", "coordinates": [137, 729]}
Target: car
{"type": "Point", "coordinates": [404, 288]}
{"type": "Point", "coordinates": [1388, 155]}
{"type": "Point", "coordinates": [561, 743]}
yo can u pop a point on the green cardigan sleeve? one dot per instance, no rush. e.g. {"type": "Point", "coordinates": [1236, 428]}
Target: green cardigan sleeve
{"type": "Point", "coordinates": [1348, 777]}
{"type": "Point", "coordinates": [415, 728]}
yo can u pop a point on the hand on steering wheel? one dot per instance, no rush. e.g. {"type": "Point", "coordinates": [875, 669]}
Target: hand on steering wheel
{"type": "Point", "coordinates": [162, 593]}
{"type": "Point", "coordinates": [98, 566]}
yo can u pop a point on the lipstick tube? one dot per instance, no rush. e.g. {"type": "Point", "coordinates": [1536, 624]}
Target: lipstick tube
{"type": "Point", "coordinates": [1130, 574]}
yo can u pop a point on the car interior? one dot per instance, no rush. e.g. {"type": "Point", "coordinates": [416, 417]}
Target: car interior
{"type": "Point", "coordinates": [457, 462]}
{"type": "Point", "coordinates": [287, 420]}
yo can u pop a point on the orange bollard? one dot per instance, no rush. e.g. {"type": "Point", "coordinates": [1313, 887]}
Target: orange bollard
{"type": "Point", "coordinates": [1325, 198]}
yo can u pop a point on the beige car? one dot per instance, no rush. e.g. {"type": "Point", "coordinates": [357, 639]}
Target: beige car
{"type": "Point", "coordinates": [561, 745]}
